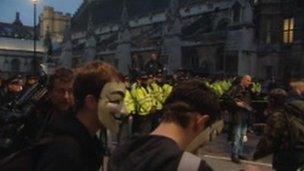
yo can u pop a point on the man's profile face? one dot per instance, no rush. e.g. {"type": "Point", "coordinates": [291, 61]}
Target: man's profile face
{"type": "Point", "coordinates": [62, 95]}
{"type": "Point", "coordinates": [111, 103]}
{"type": "Point", "coordinates": [15, 86]}
{"type": "Point", "coordinates": [246, 81]}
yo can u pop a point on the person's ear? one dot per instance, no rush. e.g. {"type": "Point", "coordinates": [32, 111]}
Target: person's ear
{"type": "Point", "coordinates": [200, 122]}
{"type": "Point", "coordinates": [90, 102]}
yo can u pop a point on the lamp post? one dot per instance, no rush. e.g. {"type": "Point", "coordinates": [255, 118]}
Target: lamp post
{"type": "Point", "coordinates": [35, 37]}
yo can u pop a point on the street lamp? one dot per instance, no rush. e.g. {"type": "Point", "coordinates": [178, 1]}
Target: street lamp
{"type": "Point", "coordinates": [35, 37]}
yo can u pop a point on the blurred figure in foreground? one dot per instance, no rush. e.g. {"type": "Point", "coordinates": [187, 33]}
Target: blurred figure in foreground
{"type": "Point", "coordinates": [284, 133]}
{"type": "Point", "coordinates": [190, 108]}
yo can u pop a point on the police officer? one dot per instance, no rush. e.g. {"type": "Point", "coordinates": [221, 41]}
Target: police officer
{"type": "Point", "coordinates": [141, 120]}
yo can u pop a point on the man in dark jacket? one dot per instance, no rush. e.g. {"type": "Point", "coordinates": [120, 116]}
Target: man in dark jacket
{"type": "Point", "coordinates": [190, 108]}
{"type": "Point", "coordinates": [241, 96]}
{"type": "Point", "coordinates": [56, 107]}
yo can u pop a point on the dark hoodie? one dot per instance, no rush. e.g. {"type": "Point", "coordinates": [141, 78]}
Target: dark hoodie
{"type": "Point", "coordinates": [148, 153]}
{"type": "Point", "coordinates": [74, 149]}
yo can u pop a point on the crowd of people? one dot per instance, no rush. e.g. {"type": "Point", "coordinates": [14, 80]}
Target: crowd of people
{"type": "Point", "coordinates": [68, 128]}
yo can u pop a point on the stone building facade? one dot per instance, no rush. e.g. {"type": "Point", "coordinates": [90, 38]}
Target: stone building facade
{"type": "Point", "coordinates": [210, 37]}
{"type": "Point", "coordinates": [53, 22]}
{"type": "Point", "coordinates": [280, 31]}
{"type": "Point", "coordinates": [16, 48]}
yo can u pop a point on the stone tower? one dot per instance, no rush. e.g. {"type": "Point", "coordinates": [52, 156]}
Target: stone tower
{"type": "Point", "coordinates": [123, 51]}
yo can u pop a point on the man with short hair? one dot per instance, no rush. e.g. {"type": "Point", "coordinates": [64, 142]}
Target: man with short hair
{"type": "Point", "coordinates": [241, 97]}
{"type": "Point", "coordinates": [61, 89]}
{"type": "Point", "coordinates": [57, 105]}
{"type": "Point", "coordinates": [190, 108]}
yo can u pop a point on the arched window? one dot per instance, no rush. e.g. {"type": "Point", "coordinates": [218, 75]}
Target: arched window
{"type": "Point", "coordinates": [236, 12]}
{"type": "Point", "coordinates": [15, 65]}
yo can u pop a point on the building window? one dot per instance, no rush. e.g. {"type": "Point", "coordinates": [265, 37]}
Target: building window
{"type": "Point", "coordinates": [236, 12]}
{"type": "Point", "coordinates": [15, 65]}
{"type": "Point", "coordinates": [288, 30]}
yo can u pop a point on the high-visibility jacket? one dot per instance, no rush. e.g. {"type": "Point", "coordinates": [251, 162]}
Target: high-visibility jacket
{"type": "Point", "coordinates": [155, 95]}
{"type": "Point", "coordinates": [130, 103]}
{"type": "Point", "coordinates": [167, 88]}
{"type": "Point", "coordinates": [143, 100]}
{"type": "Point", "coordinates": [158, 91]}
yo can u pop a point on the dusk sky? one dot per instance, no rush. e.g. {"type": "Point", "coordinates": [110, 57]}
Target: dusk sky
{"type": "Point", "coordinates": [8, 9]}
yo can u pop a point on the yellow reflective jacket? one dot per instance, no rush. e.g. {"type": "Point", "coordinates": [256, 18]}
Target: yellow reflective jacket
{"type": "Point", "coordinates": [156, 95]}
{"type": "Point", "coordinates": [143, 100]}
{"type": "Point", "coordinates": [167, 89]}
{"type": "Point", "coordinates": [159, 92]}
{"type": "Point", "coordinates": [130, 103]}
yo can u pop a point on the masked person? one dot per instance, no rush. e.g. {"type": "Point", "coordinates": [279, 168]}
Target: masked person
{"type": "Point", "coordinates": [190, 108]}
{"type": "Point", "coordinates": [99, 94]}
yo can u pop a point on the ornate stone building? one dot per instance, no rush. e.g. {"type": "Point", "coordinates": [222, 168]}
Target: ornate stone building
{"type": "Point", "coordinates": [280, 31]}
{"type": "Point", "coordinates": [16, 48]}
{"type": "Point", "coordinates": [53, 22]}
{"type": "Point", "coordinates": [208, 36]}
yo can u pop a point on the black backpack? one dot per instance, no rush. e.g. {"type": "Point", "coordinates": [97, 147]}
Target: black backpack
{"type": "Point", "coordinates": [294, 113]}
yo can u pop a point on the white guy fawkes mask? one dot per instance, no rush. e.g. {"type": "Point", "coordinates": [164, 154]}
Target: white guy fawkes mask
{"type": "Point", "coordinates": [111, 103]}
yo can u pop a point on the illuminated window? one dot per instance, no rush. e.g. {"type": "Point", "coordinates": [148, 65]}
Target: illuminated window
{"type": "Point", "coordinates": [288, 30]}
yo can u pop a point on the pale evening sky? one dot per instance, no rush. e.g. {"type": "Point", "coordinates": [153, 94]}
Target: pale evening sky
{"type": "Point", "coordinates": [8, 9]}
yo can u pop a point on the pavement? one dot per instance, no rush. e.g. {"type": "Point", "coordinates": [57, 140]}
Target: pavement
{"type": "Point", "coordinates": [217, 154]}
